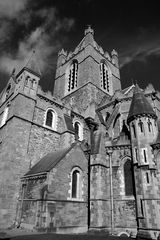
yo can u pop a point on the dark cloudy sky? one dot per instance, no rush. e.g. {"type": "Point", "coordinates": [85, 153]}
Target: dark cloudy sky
{"type": "Point", "coordinates": [130, 27]}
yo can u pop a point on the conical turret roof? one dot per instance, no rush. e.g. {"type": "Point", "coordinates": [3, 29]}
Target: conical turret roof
{"type": "Point", "coordinates": [32, 64]}
{"type": "Point", "coordinates": [139, 105]}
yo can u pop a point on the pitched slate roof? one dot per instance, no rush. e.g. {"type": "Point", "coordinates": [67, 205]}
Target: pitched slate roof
{"type": "Point", "coordinates": [139, 105]}
{"type": "Point", "coordinates": [49, 161]}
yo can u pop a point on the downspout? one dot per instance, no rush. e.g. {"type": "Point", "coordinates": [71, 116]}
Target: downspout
{"type": "Point", "coordinates": [89, 176]}
{"type": "Point", "coordinates": [92, 125]}
{"type": "Point", "coordinates": [89, 159]}
{"type": "Point", "coordinates": [111, 189]}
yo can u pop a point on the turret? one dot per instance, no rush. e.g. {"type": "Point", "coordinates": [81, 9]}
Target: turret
{"type": "Point", "coordinates": [114, 55]}
{"type": "Point", "coordinates": [28, 78]}
{"type": "Point", "coordinates": [89, 33]}
{"type": "Point", "coordinates": [61, 57]}
{"type": "Point", "coordinates": [141, 119]}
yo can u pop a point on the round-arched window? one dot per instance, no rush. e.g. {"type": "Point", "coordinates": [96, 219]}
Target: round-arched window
{"type": "Point", "coordinates": [50, 119]}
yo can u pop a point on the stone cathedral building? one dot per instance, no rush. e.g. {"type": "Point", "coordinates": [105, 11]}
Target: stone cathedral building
{"type": "Point", "coordinates": [86, 157]}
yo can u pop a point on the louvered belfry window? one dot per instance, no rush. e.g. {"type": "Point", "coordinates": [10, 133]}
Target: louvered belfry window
{"type": "Point", "coordinates": [104, 77]}
{"type": "Point", "coordinates": [72, 77]}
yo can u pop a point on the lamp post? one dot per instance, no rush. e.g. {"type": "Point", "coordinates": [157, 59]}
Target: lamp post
{"type": "Point", "coordinates": [109, 151]}
{"type": "Point", "coordinates": [92, 125]}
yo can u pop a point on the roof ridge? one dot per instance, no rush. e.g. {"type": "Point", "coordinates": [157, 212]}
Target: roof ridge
{"type": "Point", "coordinates": [50, 160]}
{"type": "Point", "coordinates": [66, 150]}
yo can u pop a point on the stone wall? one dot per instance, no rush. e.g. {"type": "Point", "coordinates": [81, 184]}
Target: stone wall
{"type": "Point", "coordinates": [14, 163]}
{"type": "Point", "coordinates": [47, 201]}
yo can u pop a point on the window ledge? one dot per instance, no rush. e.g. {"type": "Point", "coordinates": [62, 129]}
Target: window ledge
{"type": "Point", "coordinates": [51, 128]}
{"type": "Point", "coordinates": [128, 197]}
{"type": "Point", "coordinates": [75, 199]}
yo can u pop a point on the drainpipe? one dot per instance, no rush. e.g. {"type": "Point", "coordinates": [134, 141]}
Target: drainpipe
{"type": "Point", "coordinates": [109, 152]}
{"type": "Point", "coordinates": [92, 125]}
{"type": "Point", "coordinates": [89, 159]}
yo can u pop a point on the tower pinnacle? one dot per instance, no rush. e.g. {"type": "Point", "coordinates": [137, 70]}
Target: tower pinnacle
{"type": "Point", "coordinates": [89, 30]}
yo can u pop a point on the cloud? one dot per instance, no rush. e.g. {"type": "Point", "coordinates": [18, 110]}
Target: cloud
{"type": "Point", "coordinates": [10, 8]}
{"type": "Point", "coordinates": [140, 52]}
{"type": "Point", "coordinates": [44, 39]}
{"type": "Point", "coordinates": [140, 47]}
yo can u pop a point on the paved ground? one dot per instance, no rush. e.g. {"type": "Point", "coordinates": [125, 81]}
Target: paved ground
{"type": "Point", "coordinates": [21, 235]}
{"type": "Point", "coordinates": [66, 237]}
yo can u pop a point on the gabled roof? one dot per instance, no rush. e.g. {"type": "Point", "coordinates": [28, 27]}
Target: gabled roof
{"type": "Point", "coordinates": [139, 105]}
{"type": "Point", "coordinates": [49, 161]}
{"type": "Point", "coordinates": [128, 89]}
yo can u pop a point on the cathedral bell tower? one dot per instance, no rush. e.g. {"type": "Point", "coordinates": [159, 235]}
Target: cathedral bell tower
{"type": "Point", "coordinates": [142, 122]}
{"type": "Point", "coordinates": [86, 74]}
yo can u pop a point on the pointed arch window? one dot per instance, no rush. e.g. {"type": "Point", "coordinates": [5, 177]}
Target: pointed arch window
{"type": "Point", "coordinates": [104, 73]}
{"type": "Point", "coordinates": [27, 80]}
{"type": "Point", "coordinates": [133, 130]}
{"type": "Point", "coordinates": [147, 177]}
{"type": "Point", "coordinates": [128, 178]}
{"type": "Point", "coordinates": [50, 119]}
{"type": "Point", "coordinates": [141, 126]}
{"type": "Point", "coordinates": [72, 76]}
{"type": "Point", "coordinates": [107, 116]}
{"type": "Point", "coordinates": [76, 183]}
{"type": "Point", "coordinates": [136, 154]}
{"type": "Point", "coordinates": [144, 155]}
{"type": "Point", "coordinates": [8, 90]}
{"type": "Point", "coordinates": [149, 125]}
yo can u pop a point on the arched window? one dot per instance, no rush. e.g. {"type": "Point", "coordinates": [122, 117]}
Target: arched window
{"type": "Point", "coordinates": [76, 127]}
{"type": "Point", "coordinates": [107, 116]}
{"type": "Point", "coordinates": [140, 124]}
{"type": "Point", "coordinates": [8, 90]}
{"type": "Point", "coordinates": [128, 178]}
{"type": "Point", "coordinates": [76, 191]}
{"type": "Point", "coordinates": [149, 125]}
{"type": "Point", "coordinates": [147, 177]}
{"type": "Point", "coordinates": [133, 130]}
{"type": "Point", "coordinates": [78, 130]}
{"type": "Point", "coordinates": [50, 119]}
{"type": "Point", "coordinates": [145, 155]}
{"type": "Point", "coordinates": [4, 116]}
{"type": "Point", "coordinates": [104, 73]}
{"type": "Point", "coordinates": [136, 154]}
{"type": "Point", "coordinates": [72, 76]}
{"type": "Point", "coordinates": [27, 79]}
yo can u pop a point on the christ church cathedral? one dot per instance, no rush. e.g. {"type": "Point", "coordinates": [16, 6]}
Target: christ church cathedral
{"type": "Point", "coordinates": [85, 157]}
